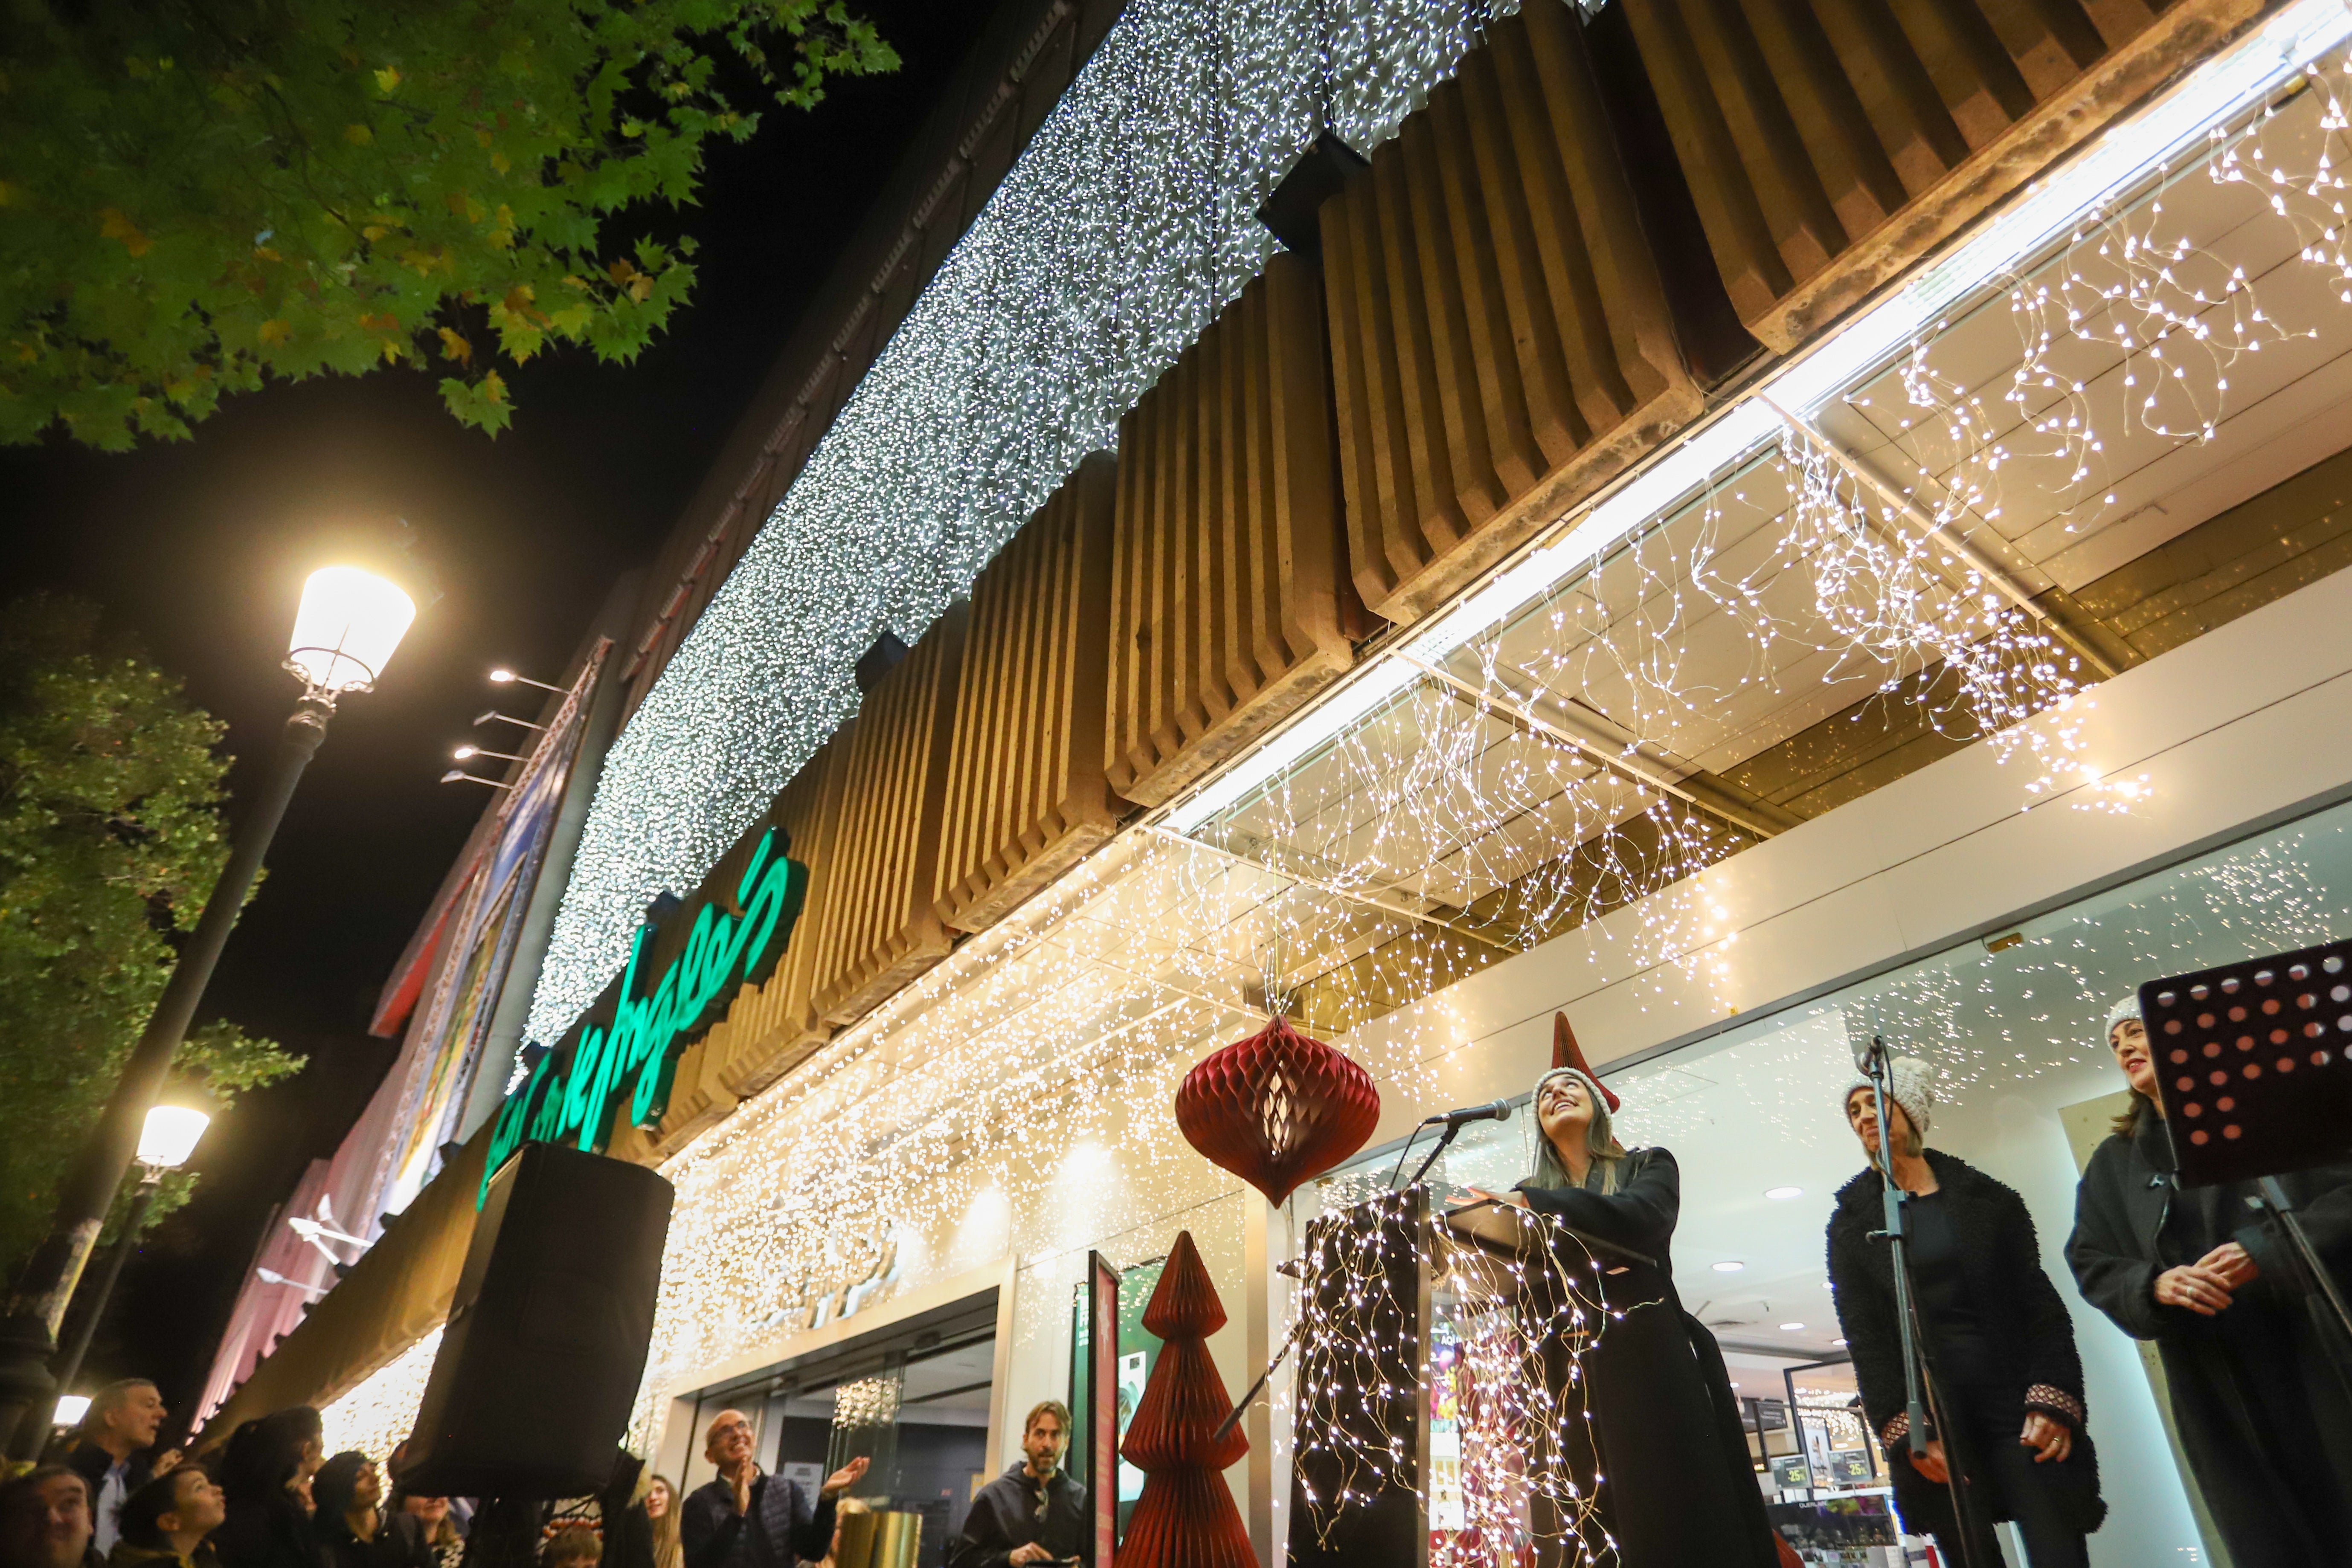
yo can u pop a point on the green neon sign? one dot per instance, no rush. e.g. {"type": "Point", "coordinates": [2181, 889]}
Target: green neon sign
{"type": "Point", "coordinates": [570, 1094]}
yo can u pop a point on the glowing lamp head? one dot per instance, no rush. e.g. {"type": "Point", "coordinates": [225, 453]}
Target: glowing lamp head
{"type": "Point", "coordinates": [170, 1136]}
{"type": "Point", "coordinates": [349, 625]}
{"type": "Point", "coordinates": [501, 676]}
{"type": "Point", "coordinates": [463, 752]}
{"type": "Point", "coordinates": [71, 1408]}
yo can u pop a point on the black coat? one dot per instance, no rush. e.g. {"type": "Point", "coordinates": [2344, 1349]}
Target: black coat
{"type": "Point", "coordinates": [1005, 1517]}
{"type": "Point", "coordinates": [391, 1548]}
{"type": "Point", "coordinates": [1681, 1490]}
{"type": "Point", "coordinates": [781, 1526]}
{"type": "Point", "coordinates": [266, 1528]}
{"type": "Point", "coordinates": [2267, 1430]}
{"type": "Point", "coordinates": [91, 1462]}
{"type": "Point", "coordinates": [2019, 1306]}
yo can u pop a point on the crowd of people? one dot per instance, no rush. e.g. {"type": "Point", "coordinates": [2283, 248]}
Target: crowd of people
{"type": "Point", "coordinates": [272, 1497]}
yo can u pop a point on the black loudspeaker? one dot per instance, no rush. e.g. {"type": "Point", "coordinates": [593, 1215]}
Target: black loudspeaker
{"type": "Point", "coordinates": [547, 1336]}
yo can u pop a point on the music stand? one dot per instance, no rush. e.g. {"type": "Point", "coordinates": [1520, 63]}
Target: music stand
{"type": "Point", "coordinates": [2254, 1062]}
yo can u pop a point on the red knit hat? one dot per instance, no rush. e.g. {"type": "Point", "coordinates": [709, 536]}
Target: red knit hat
{"type": "Point", "coordinates": [1565, 1052]}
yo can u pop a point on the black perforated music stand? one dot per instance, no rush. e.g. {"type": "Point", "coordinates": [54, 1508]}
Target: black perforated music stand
{"type": "Point", "coordinates": [2254, 1059]}
{"type": "Point", "coordinates": [2254, 1064]}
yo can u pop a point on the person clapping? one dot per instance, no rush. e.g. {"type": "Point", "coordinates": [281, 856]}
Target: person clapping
{"type": "Point", "coordinates": [746, 1518]}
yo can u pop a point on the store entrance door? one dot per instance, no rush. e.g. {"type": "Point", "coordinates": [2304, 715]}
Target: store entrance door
{"type": "Point", "coordinates": [912, 1399]}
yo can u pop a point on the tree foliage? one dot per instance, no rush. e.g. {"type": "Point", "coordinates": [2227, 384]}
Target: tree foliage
{"type": "Point", "coordinates": [111, 838]}
{"type": "Point", "coordinates": [198, 195]}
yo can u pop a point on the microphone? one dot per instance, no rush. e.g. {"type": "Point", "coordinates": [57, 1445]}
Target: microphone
{"type": "Point", "coordinates": [1862, 1041]}
{"type": "Point", "coordinates": [1493, 1110]}
{"type": "Point", "coordinates": [1453, 1121]}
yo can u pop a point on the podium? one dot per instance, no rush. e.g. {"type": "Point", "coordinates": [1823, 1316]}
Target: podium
{"type": "Point", "coordinates": [1440, 1407]}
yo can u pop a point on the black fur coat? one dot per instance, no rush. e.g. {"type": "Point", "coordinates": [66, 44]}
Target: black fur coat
{"type": "Point", "coordinates": [2020, 1307]}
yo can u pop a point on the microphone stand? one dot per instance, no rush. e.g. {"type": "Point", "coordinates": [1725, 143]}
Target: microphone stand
{"type": "Point", "coordinates": [1454, 1123]}
{"type": "Point", "coordinates": [1917, 1391]}
{"type": "Point", "coordinates": [1453, 1131]}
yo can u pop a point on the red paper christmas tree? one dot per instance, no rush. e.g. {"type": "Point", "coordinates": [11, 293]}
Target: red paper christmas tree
{"type": "Point", "coordinates": [1185, 1518]}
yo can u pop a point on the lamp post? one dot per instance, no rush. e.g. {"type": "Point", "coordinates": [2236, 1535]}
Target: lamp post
{"type": "Point", "coordinates": [165, 1141]}
{"type": "Point", "coordinates": [350, 622]}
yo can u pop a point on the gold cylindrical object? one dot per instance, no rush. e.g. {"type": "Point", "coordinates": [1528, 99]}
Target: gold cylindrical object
{"type": "Point", "coordinates": [897, 1540]}
{"type": "Point", "coordinates": [855, 1549]}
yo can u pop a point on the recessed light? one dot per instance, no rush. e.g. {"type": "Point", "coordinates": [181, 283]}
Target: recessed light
{"type": "Point", "coordinates": [1783, 1194]}
{"type": "Point", "coordinates": [1839, 1342]}
{"type": "Point", "coordinates": [1730, 1267]}
{"type": "Point", "coordinates": [1790, 1328]}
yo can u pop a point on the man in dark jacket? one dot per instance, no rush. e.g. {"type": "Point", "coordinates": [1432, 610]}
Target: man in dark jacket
{"type": "Point", "coordinates": [1034, 1512]}
{"type": "Point", "coordinates": [117, 1430]}
{"type": "Point", "coordinates": [749, 1519]}
{"type": "Point", "coordinates": [2263, 1418]}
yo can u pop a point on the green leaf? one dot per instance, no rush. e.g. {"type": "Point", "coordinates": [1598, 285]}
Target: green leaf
{"type": "Point", "coordinates": [112, 837]}
{"type": "Point", "coordinates": [261, 187]}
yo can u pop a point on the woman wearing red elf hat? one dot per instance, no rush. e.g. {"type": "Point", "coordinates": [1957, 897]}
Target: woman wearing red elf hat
{"type": "Point", "coordinates": [1680, 1489]}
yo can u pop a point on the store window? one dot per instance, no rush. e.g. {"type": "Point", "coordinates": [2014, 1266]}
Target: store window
{"type": "Point", "coordinates": [2012, 1025]}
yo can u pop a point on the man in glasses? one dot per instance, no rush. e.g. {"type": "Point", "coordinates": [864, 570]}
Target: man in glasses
{"type": "Point", "coordinates": [746, 1518]}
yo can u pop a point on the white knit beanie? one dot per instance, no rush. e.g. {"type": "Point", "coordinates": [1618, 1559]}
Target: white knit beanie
{"type": "Point", "coordinates": [2128, 1008]}
{"type": "Point", "coordinates": [1911, 1082]}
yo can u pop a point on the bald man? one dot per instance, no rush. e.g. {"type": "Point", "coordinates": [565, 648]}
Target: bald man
{"type": "Point", "coordinates": [749, 1519]}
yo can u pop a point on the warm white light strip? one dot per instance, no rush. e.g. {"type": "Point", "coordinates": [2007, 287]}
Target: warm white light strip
{"type": "Point", "coordinates": [2218, 90]}
{"type": "Point", "coordinates": [1372, 688]}
{"type": "Point", "coordinates": [1749, 424]}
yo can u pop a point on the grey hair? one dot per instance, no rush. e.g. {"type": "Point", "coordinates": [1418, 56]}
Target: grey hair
{"type": "Point", "coordinates": [113, 1397]}
{"type": "Point", "coordinates": [1600, 1137]}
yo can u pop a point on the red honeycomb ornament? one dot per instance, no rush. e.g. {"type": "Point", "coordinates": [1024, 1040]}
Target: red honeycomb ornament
{"type": "Point", "coordinates": [1276, 1109]}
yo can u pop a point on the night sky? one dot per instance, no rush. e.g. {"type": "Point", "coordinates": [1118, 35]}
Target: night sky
{"type": "Point", "coordinates": [198, 549]}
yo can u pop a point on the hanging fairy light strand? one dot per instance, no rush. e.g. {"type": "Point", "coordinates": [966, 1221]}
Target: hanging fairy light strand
{"type": "Point", "coordinates": [1526, 788]}
{"type": "Point", "coordinates": [1496, 1375]}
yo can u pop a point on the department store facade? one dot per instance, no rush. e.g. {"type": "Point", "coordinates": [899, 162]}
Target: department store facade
{"type": "Point", "coordinates": [1923, 619]}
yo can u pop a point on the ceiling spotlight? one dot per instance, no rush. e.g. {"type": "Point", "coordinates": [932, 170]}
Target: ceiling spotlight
{"type": "Point", "coordinates": [1783, 1194]}
{"type": "Point", "coordinates": [1790, 1328]}
{"type": "Point", "coordinates": [1840, 1343]}
{"type": "Point", "coordinates": [1729, 1266]}
{"type": "Point", "coordinates": [504, 676]}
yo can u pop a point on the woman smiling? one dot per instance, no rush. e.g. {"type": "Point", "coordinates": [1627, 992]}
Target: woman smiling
{"type": "Point", "coordinates": [1681, 1488]}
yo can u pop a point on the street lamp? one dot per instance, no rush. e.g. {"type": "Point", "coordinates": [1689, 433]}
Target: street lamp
{"type": "Point", "coordinates": [165, 1141]}
{"type": "Point", "coordinates": [349, 624]}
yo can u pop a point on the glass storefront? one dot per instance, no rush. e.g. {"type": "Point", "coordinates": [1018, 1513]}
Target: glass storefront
{"type": "Point", "coordinates": [912, 1401]}
{"type": "Point", "coordinates": [2012, 1025]}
